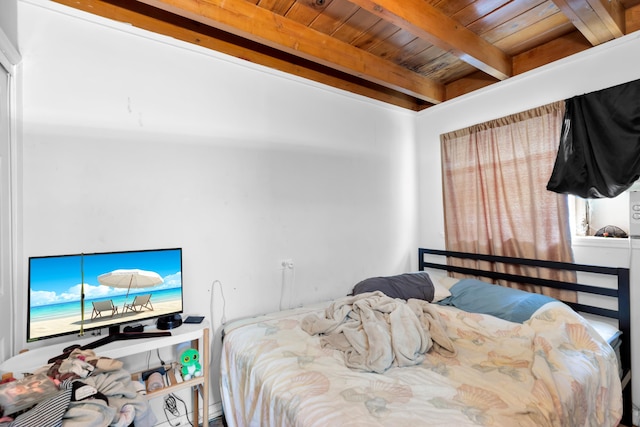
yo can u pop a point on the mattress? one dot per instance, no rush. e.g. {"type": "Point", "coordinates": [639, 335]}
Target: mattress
{"type": "Point", "coordinates": [554, 369]}
{"type": "Point", "coordinates": [608, 330]}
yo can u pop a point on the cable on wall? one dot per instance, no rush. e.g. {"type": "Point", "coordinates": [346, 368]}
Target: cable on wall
{"type": "Point", "coordinates": [223, 318]}
{"type": "Point", "coordinates": [287, 265]}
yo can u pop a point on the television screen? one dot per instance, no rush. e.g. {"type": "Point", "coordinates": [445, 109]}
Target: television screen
{"type": "Point", "coordinates": [73, 293]}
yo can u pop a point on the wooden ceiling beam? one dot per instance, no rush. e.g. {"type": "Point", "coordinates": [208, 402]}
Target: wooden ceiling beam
{"type": "Point", "coordinates": [246, 20]}
{"type": "Point", "coordinates": [598, 20]}
{"type": "Point", "coordinates": [554, 50]}
{"type": "Point", "coordinates": [611, 13]}
{"type": "Point", "coordinates": [469, 83]}
{"type": "Point", "coordinates": [426, 22]}
{"type": "Point", "coordinates": [632, 18]}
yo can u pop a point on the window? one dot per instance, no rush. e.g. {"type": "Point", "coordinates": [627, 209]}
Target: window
{"type": "Point", "coordinates": [590, 215]}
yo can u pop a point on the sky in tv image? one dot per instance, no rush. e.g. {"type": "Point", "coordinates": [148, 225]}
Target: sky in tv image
{"type": "Point", "coordinates": [58, 279]}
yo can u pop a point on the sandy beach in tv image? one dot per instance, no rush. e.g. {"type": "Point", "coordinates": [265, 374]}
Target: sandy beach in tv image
{"type": "Point", "coordinates": [119, 287]}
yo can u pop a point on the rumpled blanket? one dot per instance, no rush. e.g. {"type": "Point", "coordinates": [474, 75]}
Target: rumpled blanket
{"type": "Point", "coordinates": [103, 394]}
{"type": "Point", "coordinates": [81, 364]}
{"type": "Point", "coordinates": [124, 402]}
{"type": "Point", "coordinates": [376, 332]}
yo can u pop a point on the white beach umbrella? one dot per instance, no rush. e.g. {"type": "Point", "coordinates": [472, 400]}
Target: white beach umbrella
{"type": "Point", "coordinates": [130, 279]}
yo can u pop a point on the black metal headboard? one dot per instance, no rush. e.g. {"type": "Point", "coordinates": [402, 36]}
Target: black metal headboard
{"type": "Point", "coordinates": [622, 314]}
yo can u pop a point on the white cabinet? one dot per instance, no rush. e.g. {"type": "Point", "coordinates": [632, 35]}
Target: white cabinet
{"type": "Point", "coordinates": [197, 334]}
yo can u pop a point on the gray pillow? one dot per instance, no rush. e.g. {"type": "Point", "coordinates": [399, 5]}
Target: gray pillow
{"type": "Point", "coordinates": [405, 286]}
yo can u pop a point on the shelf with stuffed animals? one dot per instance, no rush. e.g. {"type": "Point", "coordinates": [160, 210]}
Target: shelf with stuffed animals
{"type": "Point", "coordinates": [189, 372]}
{"type": "Point", "coordinates": [28, 361]}
{"type": "Point", "coordinates": [195, 378]}
{"type": "Point", "coordinates": [186, 372]}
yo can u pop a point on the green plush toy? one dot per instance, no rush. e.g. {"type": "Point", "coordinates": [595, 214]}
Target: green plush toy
{"type": "Point", "coordinates": [190, 360]}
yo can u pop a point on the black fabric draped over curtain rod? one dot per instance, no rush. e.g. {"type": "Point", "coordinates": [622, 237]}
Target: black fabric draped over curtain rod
{"type": "Point", "coordinates": [599, 152]}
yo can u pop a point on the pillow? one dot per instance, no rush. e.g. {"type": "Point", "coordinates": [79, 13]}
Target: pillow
{"type": "Point", "coordinates": [440, 291]}
{"type": "Point", "coordinates": [404, 286]}
{"type": "Point", "coordinates": [444, 280]}
{"type": "Point", "coordinates": [510, 304]}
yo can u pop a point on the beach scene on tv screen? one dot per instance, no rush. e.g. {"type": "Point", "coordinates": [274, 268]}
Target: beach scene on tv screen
{"type": "Point", "coordinates": [118, 287]}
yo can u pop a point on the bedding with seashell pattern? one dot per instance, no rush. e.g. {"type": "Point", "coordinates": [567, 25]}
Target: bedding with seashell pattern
{"type": "Point", "coordinates": [552, 370]}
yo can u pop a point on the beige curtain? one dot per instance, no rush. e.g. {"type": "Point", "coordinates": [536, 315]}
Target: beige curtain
{"type": "Point", "coordinates": [495, 196]}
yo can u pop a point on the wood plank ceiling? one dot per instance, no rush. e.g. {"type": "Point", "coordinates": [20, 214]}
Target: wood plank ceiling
{"type": "Point", "coordinates": [410, 53]}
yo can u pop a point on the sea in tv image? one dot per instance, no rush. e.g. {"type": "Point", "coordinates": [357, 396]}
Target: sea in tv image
{"type": "Point", "coordinates": [118, 287]}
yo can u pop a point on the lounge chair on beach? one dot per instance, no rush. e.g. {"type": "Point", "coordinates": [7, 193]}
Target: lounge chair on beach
{"type": "Point", "coordinates": [100, 306]}
{"type": "Point", "coordinates": [139, 303]}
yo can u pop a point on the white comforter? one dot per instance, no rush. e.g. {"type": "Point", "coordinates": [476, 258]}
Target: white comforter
{"type": "Point", "coordinates": [553, 370]}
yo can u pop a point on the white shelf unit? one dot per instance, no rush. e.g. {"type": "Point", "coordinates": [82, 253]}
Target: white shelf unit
{"type": "Point", "coordinates": [198, 334]}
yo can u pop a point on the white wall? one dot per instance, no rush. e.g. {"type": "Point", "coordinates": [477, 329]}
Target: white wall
{"type": "Point", "coordinates": [601, 67]}
{"type": "Point", "coordinates": [136, 141]}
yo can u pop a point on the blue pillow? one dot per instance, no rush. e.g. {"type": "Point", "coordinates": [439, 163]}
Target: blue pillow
{"type": "Point", "coordinates": [510, 304]}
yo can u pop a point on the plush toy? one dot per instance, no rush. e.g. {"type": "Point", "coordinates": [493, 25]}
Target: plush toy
{"type": "Point", "coordinates": [190, 360]}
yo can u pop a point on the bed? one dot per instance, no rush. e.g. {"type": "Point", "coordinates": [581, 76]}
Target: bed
{"type": "Point", "coordinates": [553, 368]}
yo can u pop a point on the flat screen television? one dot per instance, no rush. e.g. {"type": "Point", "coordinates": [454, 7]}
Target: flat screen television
{"type": "Point", "coordinates": [71, 294]}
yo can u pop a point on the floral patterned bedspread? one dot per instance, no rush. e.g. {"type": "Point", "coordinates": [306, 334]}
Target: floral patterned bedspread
{"type": "Point", "coordinates": [553, 370]}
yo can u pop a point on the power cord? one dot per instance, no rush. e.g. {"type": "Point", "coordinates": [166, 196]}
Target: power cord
{"type": "Point", "coordinates": [165, 377]}
{"type": "Point", "coordinates": [159, 358]}
{"type": "Point", "coordinates": [171, 406]}
{"type": "Point", "coordinates": [223, 319]}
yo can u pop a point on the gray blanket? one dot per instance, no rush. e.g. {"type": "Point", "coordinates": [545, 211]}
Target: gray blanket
{"type": "Point", "coordinates": [376, 332]}
{"type": "Point", "coordinates": [118, 388]}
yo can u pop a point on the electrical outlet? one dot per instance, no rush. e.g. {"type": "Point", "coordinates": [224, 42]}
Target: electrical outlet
{"type": "Point", "coordinates": [634, 218]}
{"type": "Point", "coordinates": [287, 263]}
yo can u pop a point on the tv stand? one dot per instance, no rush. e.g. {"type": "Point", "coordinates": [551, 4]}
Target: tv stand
{"type": "Point", "coordinates": [198, 334]}
{"type": "Point", "coordinates": [113, 336]}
